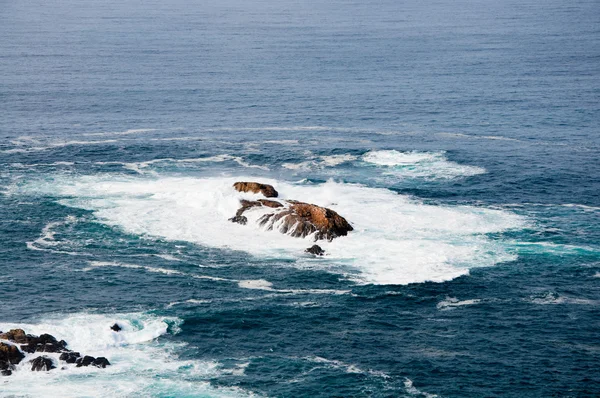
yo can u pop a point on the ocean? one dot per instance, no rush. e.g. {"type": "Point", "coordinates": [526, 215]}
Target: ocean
{"type": "Point", "coordinates": [459, 138]}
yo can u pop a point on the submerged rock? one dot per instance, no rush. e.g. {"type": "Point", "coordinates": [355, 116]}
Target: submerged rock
{"type": "Point", "coordinates": [316, 250]}
{"type": "Point", "coordinates": [41, 364]}
{"type": "Point", "coordinates": [255, 187]}
{"type": "Point", "coordinates": [301, 219]}
{"type": "Point", "coordinates": [239, 220]}
{"type": "Point", "coordinates": [116, 327]}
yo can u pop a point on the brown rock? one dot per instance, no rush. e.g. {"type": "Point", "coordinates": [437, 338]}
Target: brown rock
{"type": "Point", "coordinates": [9, 356]}
{"type": "Point", "coordinates": [255, 187]}
{"type": "Point", "coordinates": [248, 204]}
{"type": "Point", "coordinates": [16, 335]}
{"type": "Point", "coordinates": [270, 203]}
{"type": "Point", "coordinates": [301, 219]}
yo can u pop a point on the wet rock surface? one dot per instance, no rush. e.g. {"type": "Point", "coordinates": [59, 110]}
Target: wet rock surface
{"type": "Point", "coordinates": [295, 218]}
{"type": "Point", "coordinates": [255, 187]}
{"type": "Point", "coordinates": [316, 250]}
{"type": "Point", "coordinates": [12, 352]}
{"type": "Point", "coordinates": [42, 364]}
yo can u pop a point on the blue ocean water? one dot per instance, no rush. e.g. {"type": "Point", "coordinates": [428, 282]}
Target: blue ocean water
{"type": "Point", "coordinates": [459, 138]}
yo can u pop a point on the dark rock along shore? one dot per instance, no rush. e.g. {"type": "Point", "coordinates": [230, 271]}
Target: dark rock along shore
{"type": "Point", "coordinates": [18, 343]}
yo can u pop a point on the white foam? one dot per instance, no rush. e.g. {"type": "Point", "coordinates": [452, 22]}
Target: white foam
{"type": "Point", "coordinates": [57, 145]}
{"type": "Point", "coordinates": [452, 302]}
{"type": "Point", "coordinates": [126, 132]}
{"type": "Point", "coordinates": [140, 166]}
{"type": "Point", "coordinates": [348, 368]}
{"type": "Point", "coordinates": [554, 298]}
{"type": "Point", "coordinates": [259, 284]}
{"type": "Point", "coordinates": [413, 391]}
{"type": "Point", "coordinates": [320, 162]}
{"type": "Point", "coordinates": [413, 164]}
{"type": "Point", "coordinates": [396, 240]}
{"type": "Point", "coordinates": [141, 365]}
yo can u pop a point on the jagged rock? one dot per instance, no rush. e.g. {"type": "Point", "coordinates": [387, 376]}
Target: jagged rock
{"type": "Point", "coordinates": [116, 327]}
{"type": "Point", "coordinates": [316, 250]}
{"type": "Point", "coordinates": [9, 356]}
{"type": "Point", "coordinates": [69, 357]}
{"type": "Point", "coordinates": [248, 204]}
{"type": "Point", "coordinates": [301, 219]}
{"type": "Point", "coordinates": [101, 362]}
{"type": "Point", "coordinates": [255, 187]}
{"type": "Point", "coordinates": [85, 361]}
{"type": "Point", "coordinates": [42, 363]}
{"type": "Point", "coordinates": [44, 343]}
{"type": "Point", "coordinates": [16, 335]}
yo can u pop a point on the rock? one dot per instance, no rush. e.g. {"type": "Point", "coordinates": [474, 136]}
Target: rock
{"type": "Point", "coordinates": [116, 327]}
{"type": "Point", "coordinates": [69, 357]}
{"type": "Point", "coordinates": [239, 219]}
{"type": "Point", "coordinates": [270, 203]}
{"type": "Point", "coordinates": [101, 362]}
{"type": "Point", "coordinates": [85, 361]}
{"type": "Point", "coordinates": [16, 335]}
{"type": "Point", "coordinates": [9, 356]}
{"type": "Point", "coordinates": [267, 190]}
{"type": "Point", "coordinates": [42, 363]}
{"type": "Point", "coordinates": [44, 343]}
{"type": "Point", "coordinates": [301, 219]}
{"type": "Point", "coordinates": [316, 250]}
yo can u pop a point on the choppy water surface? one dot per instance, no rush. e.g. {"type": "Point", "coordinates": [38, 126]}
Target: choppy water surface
{"type": "Point", "coordinates": [459, 139]}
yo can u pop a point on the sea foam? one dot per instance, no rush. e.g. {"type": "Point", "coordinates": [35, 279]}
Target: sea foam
{"type": "Point", "coordinates": [141, 364]}
{"type": "Point", "coordinates": [413, 164]}
{"type": "Point", "coordinates": [396, 240]}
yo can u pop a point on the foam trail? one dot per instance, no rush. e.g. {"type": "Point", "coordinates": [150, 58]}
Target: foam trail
{"type": "Point", "coordinates": [427, 165]}
{"type": "Point", "coordinates": [141, 364]}
{"type": "Point", "coordinates": [57, 145]}
{"type": "Point", "coordinates": [452, 302]}
{"type": "Point", "coordinates": [396, 240]}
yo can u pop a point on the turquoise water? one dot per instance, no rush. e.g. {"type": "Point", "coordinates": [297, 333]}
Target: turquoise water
{"type": "Point", "coordinates": [460, 139]}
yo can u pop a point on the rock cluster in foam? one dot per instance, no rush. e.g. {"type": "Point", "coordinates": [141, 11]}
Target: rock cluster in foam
{"type": "Point", "coordinates": [291, 217]}
{"type": "Point", "coordinates": [17, 343]}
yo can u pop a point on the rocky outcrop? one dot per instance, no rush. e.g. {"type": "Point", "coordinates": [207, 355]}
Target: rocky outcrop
{"type": "Point", "coordinates": [267, 190]}
{"type": "Point", "coordinates": [292, 217]}
{"type": "Point", "coordinates": [116, 327]}
{"type": "Point", "coordinates": [301, 219]}
{"type": "Point", "coordinates": [12, 353]}
{"type": "Point", "coordinates": [15, 335]}
{"type": "Point", "coordinates": [42, 364]}
{"type": "Point", "coordinates": [248, 204]}
{"type": "Point", "coordinates": [44, 343]}
{"type": "Point", "coordinates": [316, 250]}
{"type": "Point", "coordinates": [69, 357]}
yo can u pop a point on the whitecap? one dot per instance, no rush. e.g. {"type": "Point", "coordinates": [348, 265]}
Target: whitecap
{"type": "Point", "coordinates": [452, 302]}
{"type": "Point", "coordinates": [396, 240]}
{"type": "Point", "coordinates": [413, 391]}
{"type": "Point", "coordinates": [414, 164]}
{"type": "Point", "coordinates": [141, 363]}
{"type": "Point", "coordinates": [554, 298]}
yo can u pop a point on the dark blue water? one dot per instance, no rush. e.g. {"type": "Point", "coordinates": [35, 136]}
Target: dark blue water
{"type": "Point", "coordinates": [460, 139]}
